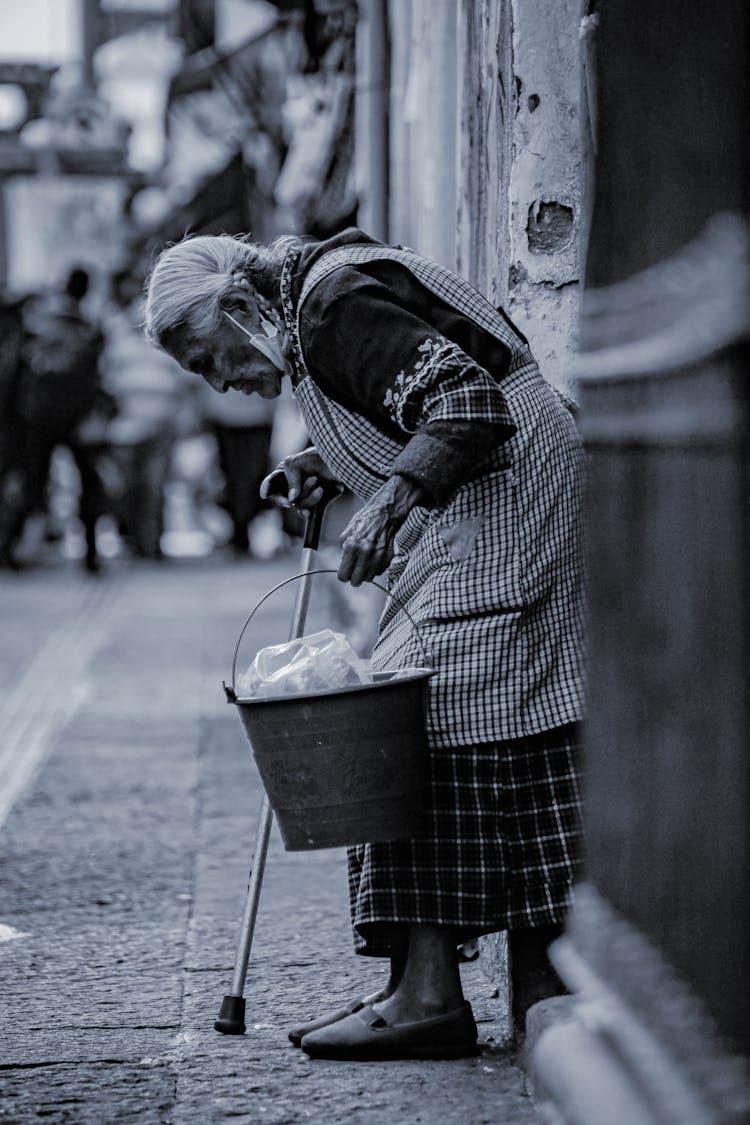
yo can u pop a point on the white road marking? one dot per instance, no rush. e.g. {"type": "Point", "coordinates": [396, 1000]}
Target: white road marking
{"type": "Point", "coordinates": [8, 933]}
{"type": "Point", "coordinates": [48, 694]}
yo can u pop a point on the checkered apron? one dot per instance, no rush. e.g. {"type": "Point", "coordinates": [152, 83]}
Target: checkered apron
{"type": "Point", "coordinates": [493, 582]}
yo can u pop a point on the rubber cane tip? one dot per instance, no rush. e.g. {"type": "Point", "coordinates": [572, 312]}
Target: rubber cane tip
{"type": "Point", "coordinates": [231, 1019]}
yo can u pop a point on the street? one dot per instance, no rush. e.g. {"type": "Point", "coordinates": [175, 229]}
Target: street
{"type": "Point", "coordinates": [128, 805]}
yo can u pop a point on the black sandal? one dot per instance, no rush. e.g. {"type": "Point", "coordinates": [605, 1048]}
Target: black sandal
{"type": "Point", "coordinates": [296, 1034]}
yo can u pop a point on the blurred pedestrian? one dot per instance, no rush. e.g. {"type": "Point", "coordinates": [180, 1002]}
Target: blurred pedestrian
{"type": "Point", "coordinates": [11, 344]}
{"type": "Point", "coordinates": [58, 388]}
{"type": "Point", "coordinates": [428, 403]}
{"type": "Point", "coordinates": [153, 410]}
{"type": "Point", "coordinates": [242, 430]}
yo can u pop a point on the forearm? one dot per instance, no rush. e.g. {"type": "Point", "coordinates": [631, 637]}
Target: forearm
{"type": "Point", "coordinates": [430, 468]}
{"type": "Point", "coordinates": [442, 456]}
{"type": "Point", "coordinates": [399, 496]}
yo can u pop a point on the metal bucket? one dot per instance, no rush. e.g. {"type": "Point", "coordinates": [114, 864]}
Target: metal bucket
{"type": "Point", "coordinates": [345, 766]}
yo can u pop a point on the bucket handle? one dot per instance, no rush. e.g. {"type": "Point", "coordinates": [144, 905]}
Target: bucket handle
{"type": "Point", "coordinates": [309, 574]}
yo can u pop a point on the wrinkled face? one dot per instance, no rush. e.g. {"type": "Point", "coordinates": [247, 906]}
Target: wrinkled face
{"type": "Point", "coordinates": [226, 359]}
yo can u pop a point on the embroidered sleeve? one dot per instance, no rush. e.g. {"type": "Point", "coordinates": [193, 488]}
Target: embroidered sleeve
{"type": "Point", "coordinates": [444, 385]}
{"type": "Point", "coordinates": [369, 352]}
{"type": "Point", "coordinates": [408, 385]}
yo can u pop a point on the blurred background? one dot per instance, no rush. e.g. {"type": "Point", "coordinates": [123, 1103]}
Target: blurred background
{"type": "Point", "coordinates": [125, 124]}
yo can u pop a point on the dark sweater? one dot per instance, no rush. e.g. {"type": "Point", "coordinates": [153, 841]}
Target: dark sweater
{"type": "Point", "coordinates": [361, 328]}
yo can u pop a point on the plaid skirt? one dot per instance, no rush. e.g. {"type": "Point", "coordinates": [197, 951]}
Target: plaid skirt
{"type": "Point", "coordinates": [501, 849]}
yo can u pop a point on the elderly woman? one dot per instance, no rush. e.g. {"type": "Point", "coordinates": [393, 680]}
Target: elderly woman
{"type": "Point", "coordinates": [427, 403]}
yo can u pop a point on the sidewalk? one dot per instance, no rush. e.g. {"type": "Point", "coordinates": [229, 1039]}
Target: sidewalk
{"type": "Point", "coordinates": [130, 801]}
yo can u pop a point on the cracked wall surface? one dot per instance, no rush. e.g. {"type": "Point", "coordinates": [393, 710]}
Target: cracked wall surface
{"type": "Point", "coordinates": [484, 166]}
{"type": "Point", "coordinates": [520, 167]}
{"type": "Point", "coordinates": [545, 181]}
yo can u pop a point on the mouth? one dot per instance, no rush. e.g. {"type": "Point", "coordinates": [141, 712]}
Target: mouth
{"type": "Point", "coordinates": [267, 386]}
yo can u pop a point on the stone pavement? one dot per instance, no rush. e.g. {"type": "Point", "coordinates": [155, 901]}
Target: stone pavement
{"type": "Point", "coordinates": [128, 805]}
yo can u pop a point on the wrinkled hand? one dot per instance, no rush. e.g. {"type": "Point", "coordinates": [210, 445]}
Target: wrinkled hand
{"type": "Point", "coordinates": [297, 480]}
{"type": "Point", "coordinates": [367, 540]}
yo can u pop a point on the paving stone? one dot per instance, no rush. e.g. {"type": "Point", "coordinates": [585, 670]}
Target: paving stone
{"type": "Point", "coordinates": [86, 1092]}
{"type": "Point", "coordinates": [39, 1049]}
{"type": "Point", "coordinates": [96, 977]}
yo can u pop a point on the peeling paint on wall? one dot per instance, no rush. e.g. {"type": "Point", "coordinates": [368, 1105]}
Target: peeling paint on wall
{"type": "Point", "coordinates": [550, 226]}
{"type": "Point", "coordinates": [520, 168]}
{"type": "Point", "coordinates": [546, 181]}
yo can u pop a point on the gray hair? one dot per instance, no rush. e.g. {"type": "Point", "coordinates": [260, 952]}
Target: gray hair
{"type": "Point", "coordinates": [190, 279]}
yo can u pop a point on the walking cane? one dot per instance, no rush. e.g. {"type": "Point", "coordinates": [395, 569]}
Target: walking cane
{"type": "Point", "coordinates": [231, 1019]}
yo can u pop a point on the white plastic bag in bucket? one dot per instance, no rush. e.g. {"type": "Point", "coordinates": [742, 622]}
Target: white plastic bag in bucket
{"type": "Point", "coordinates": [317, 662]}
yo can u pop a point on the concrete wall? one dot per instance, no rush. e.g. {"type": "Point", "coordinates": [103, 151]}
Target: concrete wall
{"type": "Point", "coordinates": [423, 127]}
{"type": "Point", "coordinates": [545, 179]}
{"type": "Point", "coordinates": [521, 171]}
{"type": "Point", "coordinates": [484, 168]}
{"type": "Point", "coordinates": [485, 67]}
